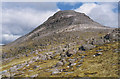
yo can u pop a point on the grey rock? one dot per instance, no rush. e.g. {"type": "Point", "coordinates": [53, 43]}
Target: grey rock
{"type": "Point", "coordinates": [59, 64]}
{"type": "Point", "coordinates": [82, 56]}
{"type": "Point", "coordinates": [64, 61]}
{"type": "Point", "coordinates": [70, 52]}
{"type": "Point", "coordinates": [98, 42]}
{"type": "Point", "coordinates": [97, 54]}
{"type": "Point", "coordinates": [34, 75]}
{"type": "Point", "coordinates": [71, 60]}
{"type": "Point", "coordinates": [73, 64]}
{"type": "Point", "coordinates": [13, 69]}
{"type": "Point", "coordinates": [34, 67]}
{"type": "Point", "coordinates": [86, 47]}
{"type": "Point", "coordinates": [55, 71]}
{"type": "Point", "coordinates": [81, 60]}
{"type": "Point", "coordinates": [2, 72]}
{"type": "Point", "coordinates": [42, 57]}
{"type": "Point", "coordinates": [49, 57]}
{"type": "Point", "coordinates": [63, 55]}
{"type": "Point", "coordinates": [79, 65]}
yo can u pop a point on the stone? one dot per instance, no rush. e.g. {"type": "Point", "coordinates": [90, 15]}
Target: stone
{"type": "Point", "coordinates": [63, 55]}
{"type": "Point", "coordinates": [97, 54]}
{"type": "Point", "coordinates": [68, 66]}
{"type": "Point", "coordinates": [13, 69]}
{"type": "Point", "coordinates": [116, 51]}
{"type": "Point", "coordinates": [79, 65]}
{"type": "Point", "coordinates": [70, 52]}
{"type": "Point", "coordinates": [82, 48]}
{"type": "Point", "coordinates": [64, 61]}
{"type": "Point", "coordinates": [88, 46]}
{"type": "Point", "coordinates": [49, 57]}
{"type": "Point", "coordinates": [42, 57]}
{"type": "Point", "coordinates": [59, 64]}
{"type": "Point", "coordinates": [71, 60]}
{"type": "Point", "coordinates": [36, 58]}
{"type": "Point", "coordinates": [99, 50]}
{"type": "Point", "coordinates": [50, 53]}
{"type": "Point", "coordinates": [2, 72]}
{"type": "Point", "coordinates": [30, 61]}
{"type": "Point", "coordinates": [81, 60]}
{"type": "Point", "coordinates": [73, 64]}
{"type": "Point", "coordinates": [34, 67]}
{"type": "Point", "coordinates": [34, 75]}
{"type": "Point", "coordinates": [27, 65]}
{"type": "Point", "coordinates": [107, 36]}
{"type": "Point", "coordinates": [55, 71]}
{"type": "Point", "coordinates": [30, 70]}
{"type": "Point", "coordinates": [82, 56]}
{"type": "Point", "coordinates": [98, 42]}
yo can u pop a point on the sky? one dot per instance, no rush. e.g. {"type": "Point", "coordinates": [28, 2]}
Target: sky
{"type": "Point", "coordinates": [19, 18]}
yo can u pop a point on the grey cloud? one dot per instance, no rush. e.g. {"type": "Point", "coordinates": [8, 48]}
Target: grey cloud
{"type": "Point", "coordinates": [18, 21]}
{"type": "Point", "coordinates": [35, 5]}
{"type": "Point", "coordinates": [102, 13]}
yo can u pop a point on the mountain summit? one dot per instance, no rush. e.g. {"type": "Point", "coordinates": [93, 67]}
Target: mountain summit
{"type": "Point", "coordinates": [67, 18]}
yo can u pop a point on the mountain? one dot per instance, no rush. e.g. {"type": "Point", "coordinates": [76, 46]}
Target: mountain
{"type": "Point", "coordinates": [60, 45]}
{"type": "Point", "coordinates": [62, 21]}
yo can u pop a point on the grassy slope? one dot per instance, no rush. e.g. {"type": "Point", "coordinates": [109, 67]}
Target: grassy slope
{"type": "Point", "coordinates": [100, 66]}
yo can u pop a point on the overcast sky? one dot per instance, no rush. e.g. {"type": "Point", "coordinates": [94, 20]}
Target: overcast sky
{"type": "Point", "coordinates": [20, 18]}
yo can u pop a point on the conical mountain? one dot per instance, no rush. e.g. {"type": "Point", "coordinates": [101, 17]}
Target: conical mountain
{"type": "Point", "coordinates": [60, 23]}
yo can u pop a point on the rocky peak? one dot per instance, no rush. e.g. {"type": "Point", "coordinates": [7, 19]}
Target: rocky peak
{"type": "Point", "coordinates": [67, 18]}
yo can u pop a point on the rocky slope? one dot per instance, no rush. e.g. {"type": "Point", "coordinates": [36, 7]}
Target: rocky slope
{"type": "Point", "coordinates": [68, 44]}
{"type": "Point", "coordinates": [60, 23]}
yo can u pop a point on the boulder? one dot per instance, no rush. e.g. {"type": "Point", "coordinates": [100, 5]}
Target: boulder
{"type": "Point", "coordinates": [49, 57]}
{"type": "Point", "coordinates": [71, 61]}
{"type": "Point", "coordinates": [36, 58]}
{"type": "Point", "coordinates": [42, 57]}
{"type": "Point", "coordinates": [72, 64]}
{"type": "Point", "coordinates": [97, 54]}
{"type": "Point", "coordinates": [86, 47]}
{"type": "Point", "coordinates": [114, 35]}
{"type": "Point", "coordinates": [59, 64]}
{"type": "Point", "coordinates": [64, 61]}
{"type": "Point", "coordinates": [13, 69]}
{"type": "Point", "coordinates": [63, 55]}
{"type": "Point", "coordinates": [70, 52]}
{"type": "Point", "coordinates": [55, 71]}
{"type": "Point", "coordinates": [34, 67]}
{"type": "Point", "coordinates": [98, 42]}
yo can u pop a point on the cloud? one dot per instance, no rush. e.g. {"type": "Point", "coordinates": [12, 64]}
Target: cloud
{"type": "Point", "coordinates": [42, 6]}
{"type": "Point", "coordinates": [8, 38]}
{"type": "Point", "coordinates": [19, 21]}
{"type": "Point", "coordinates": [102, 13]}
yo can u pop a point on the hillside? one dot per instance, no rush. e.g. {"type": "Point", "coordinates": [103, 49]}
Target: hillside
{"type": "Point", "coordinates": [68, 44]}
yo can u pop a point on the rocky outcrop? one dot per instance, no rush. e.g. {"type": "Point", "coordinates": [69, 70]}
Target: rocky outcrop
{"type": "Point", "coordinates": [86, 47]}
